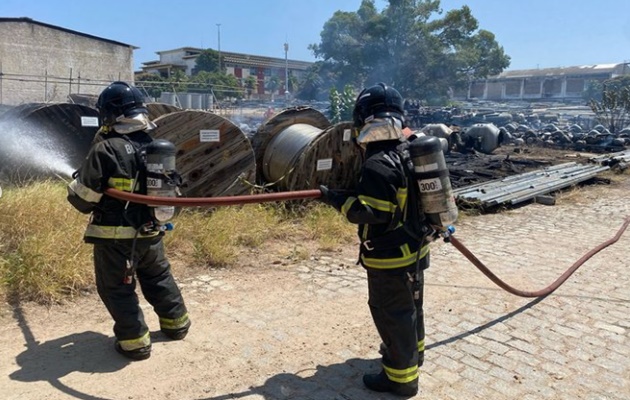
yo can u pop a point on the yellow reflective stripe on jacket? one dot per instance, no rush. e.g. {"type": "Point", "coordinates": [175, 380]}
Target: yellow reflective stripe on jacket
{"type": "Point", "coordinates": [124, 184]}
{"type": "Point", "coordinates": [114, 232]}
{"type": "Point", "coordinates": [177, 323]}
{"type": "Point", "coordinates": [407, 259]}
{"type": "Point", "coordinates": [421, 346]}
{"type": "Point", "coordinates": [133, 344]}
{"type": "Point", "coordinates": [346, 206]}
{"type": "Point", "coordinates": [401, 197]}
{"type": "Point", "coordinates": [85, 192]}
{"type": "Point", "coordinates": [401, 375]}
{"type": "Point", "coordinates": [377, 204]}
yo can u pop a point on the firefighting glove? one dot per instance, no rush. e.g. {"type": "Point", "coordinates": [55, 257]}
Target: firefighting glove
{"type": "Point", "coordinates": [331, 197]}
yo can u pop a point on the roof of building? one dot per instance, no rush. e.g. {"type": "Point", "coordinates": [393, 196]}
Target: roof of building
{"type": "Point", "coordinates": [191, 49]}
{"type": "Point", "coordinates": [241, 59]}
{"type": "Point", "coordinates": [32, 21]}
{"type": "Point", "coordinates": [159, 65]}
{"type": "Point", "coordinates": [560, 71]}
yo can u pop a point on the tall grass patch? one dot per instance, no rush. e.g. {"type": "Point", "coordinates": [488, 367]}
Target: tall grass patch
{"type": "Point", "coordinates": [215, 237]}
{"type": "Point", "coordinates": [328, 227]}
{"type": "Point", "coordinates": [42, 255]}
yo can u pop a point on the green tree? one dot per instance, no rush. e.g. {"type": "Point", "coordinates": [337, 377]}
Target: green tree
{"type": "Point", "coordinates": [341, 104]}
{"type": "Point", "coordinates": [410, 44]}
{"type": "Point", "coordinates": [273, 84]}
{"type": "Point", "coordinates": [593, 91]}
{"type": "Point", "coordinates": [223, 86]}
{"type": "Point", "coordinates": [614, 108]}
{"type": "Point", "coordinates": [178, 81]}
{"type": "Point", "coordinates": [293, 83]}
{"type": "Point", "coordinates": [311, 85]}
{"type": "Point", "coordinates": [250, 84]}
{"type": "Point", "coordinates": [152, 84]}
{"type": "Point", "coordinates": [318, 81]}
{"type": "Point", "coordinates": [207, 60]}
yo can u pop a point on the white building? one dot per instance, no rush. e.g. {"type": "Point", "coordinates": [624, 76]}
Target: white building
{"type": "Point", "coordinates": [552, 84]}
{"type": "Point", "coordinates": [237, 64]}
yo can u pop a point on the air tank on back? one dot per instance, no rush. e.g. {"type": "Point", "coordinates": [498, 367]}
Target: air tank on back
{"type": "Point", "coordinates": [431, 173]}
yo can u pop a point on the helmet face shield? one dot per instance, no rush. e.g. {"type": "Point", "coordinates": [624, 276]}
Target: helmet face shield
{"type": "Point", "coordinates": [380, 129]}
{"type": "Point", "coordinates": [133, 112]}
{"type": "Point", "coordinates": [138, 122]}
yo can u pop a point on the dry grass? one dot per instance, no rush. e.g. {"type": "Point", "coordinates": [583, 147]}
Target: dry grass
{"type": "Point", "coordinates": [43, 257]}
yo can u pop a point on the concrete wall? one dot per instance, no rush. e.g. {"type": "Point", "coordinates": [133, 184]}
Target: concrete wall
{"type": "Point", "coordinates": [41, 63]}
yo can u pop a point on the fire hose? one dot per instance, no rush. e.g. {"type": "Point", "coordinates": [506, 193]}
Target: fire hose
{"type": "Point", "coordinates": [315, 193]}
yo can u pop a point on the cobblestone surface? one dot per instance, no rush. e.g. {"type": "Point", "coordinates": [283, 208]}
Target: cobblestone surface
{"type": "Point", "coordinates": [301, 329]}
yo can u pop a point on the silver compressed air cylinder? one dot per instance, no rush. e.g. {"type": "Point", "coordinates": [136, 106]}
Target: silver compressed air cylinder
{"type": "Point", "coordinates": [160, 155]}
{"type": "Point", "coordinates": [432, 176]}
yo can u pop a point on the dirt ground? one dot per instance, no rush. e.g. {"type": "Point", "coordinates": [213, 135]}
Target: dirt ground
{"type": "Point", "coordinates": [274, 326]}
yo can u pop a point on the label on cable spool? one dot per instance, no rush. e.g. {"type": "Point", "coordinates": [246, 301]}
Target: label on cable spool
{"type": "Point", "coordinates": [324, 164]}
{"type": "Point", "coordinates": [209, 135]}
{"type": "Point", "coordinates": [347, 135]}
{"type": "Point", "coordinates": [89, 121]}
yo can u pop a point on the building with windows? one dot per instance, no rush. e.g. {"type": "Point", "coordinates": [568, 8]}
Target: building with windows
{"type": "Point", "coordinates": [546, 84]}
{"type": "Point", "coordinates": [237, 64]}
{"type": "Point", "coordinates": [46, 63]}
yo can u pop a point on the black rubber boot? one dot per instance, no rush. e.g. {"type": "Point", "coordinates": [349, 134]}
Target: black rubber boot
{"type": "Point", "coordinates": [381, 383]}
{"type": "Point", "coordinates": [176, 334]}
{"type": "Point", "coordinates": [137, 354]}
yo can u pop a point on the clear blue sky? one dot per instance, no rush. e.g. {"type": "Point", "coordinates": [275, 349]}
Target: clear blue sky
{"type": "Point", "coordinates": [534, 33]}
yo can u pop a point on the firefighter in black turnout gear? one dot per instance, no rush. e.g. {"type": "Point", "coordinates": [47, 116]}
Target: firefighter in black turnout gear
{"type": "Point", "coordinates": [394, 249]}
{"type": "Point", "coordinates": [127, 238]}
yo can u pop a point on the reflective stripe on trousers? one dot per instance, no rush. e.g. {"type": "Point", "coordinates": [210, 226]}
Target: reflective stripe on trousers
{"type": "Point", "coordinates": [152, 273]}
{"type": "Point", "coordinates": [399, 319]}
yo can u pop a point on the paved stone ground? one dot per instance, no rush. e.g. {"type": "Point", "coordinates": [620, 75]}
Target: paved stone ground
{"type": "Point", "coordinates": [302, 330]}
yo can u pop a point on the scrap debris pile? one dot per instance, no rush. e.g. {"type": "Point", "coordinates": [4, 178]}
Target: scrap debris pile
{"type": "Point", "coordinates": [578, 130]}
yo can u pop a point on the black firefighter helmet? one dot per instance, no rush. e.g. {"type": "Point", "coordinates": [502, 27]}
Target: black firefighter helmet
{"type": "Point", "coordinates": [378, 101]}
{"type": "Point", "coordinates": [119, 99]}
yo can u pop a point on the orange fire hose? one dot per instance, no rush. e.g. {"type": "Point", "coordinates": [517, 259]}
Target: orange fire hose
{"type": "Point", "coordinates": [549, 289]}
{"type": "Point", "coordinates": [213, 201]}
{"type": "Point", "coordinates": [315, 193]}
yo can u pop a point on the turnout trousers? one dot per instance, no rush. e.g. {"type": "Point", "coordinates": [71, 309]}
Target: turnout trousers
{"type": "Point", "coordinates": [153, 273]}
{"type": "Point", "coordinates": [399, 318]}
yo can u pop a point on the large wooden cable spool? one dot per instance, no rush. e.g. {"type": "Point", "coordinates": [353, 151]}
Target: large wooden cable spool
{"type": "Point", "coordinates": [273, 127]}
{"type": "Point", "coordinates": [331, 159]}
{"type": "Point", "coordinates": [156, 110]}
{"type": "Point", "coordinates": [302, 156]}
{"type": "Point", "coordinates": [284, 149]}
{"type": "Point", "coordinates": [214, 157]}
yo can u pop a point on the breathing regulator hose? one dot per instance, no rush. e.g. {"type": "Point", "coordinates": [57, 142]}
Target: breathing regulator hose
{"type": "Point", "coordinates": [316, 193]}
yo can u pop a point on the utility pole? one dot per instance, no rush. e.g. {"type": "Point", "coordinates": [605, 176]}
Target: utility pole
{"type": "Point", "coordinates": [219, 44]}
{"type": "Point", "coordinates": [286, 71]}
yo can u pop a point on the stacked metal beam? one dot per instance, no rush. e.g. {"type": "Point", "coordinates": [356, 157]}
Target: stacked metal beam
{"type": "Point", "coordinates": [612, 158]}
{"type": "Point", "coordinates": [516, 189]}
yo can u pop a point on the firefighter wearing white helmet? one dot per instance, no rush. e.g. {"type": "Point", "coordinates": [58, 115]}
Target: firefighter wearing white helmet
{"type": "Point", "coordinates": [127, 237]}
{"type": "Point", "coordinates": [394, 250]}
